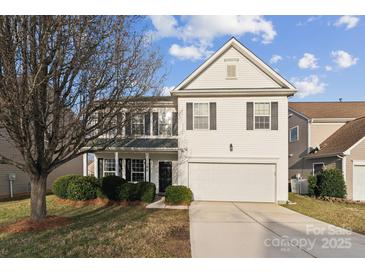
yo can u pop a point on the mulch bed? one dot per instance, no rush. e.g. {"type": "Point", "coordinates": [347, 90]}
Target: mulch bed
{"type": "Point", "coordinates": [26, 225]}
{"type": "Point", "coordinates": [97, 202]}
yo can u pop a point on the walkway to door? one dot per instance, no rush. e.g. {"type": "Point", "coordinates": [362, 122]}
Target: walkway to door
{"type": "Point", "coordinates": [227, 229]}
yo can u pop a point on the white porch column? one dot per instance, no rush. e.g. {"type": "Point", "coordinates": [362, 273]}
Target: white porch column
{"type": "Point", "coordinates": [95, 166]}
{"type": "Point", "coordinates": [84, 164]}
{"type": "Point", "coordinates": [147, 157]}
{"type": "Point", "coordinates": [116, 155]}
{"type": "Point", "coordinates": [123, 168]}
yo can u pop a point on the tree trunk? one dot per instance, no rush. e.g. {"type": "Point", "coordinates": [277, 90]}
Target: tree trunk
{"type": "Point", "coordinates": [38, 198]}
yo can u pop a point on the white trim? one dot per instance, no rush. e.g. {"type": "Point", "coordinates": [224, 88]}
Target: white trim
{"type": "Point", "coordinates": [116, 158]}
{"type": "Point", "coordinates": [246, 53]}
{"type": "Point", "coordinates": [96, 166]}
{"type": "Point", "coordinates": [358, 162]}
{"type": "Point", "coordinates": [290, 139]}
{"type": "Point", "coordinates": [84, 164]}
{"type": "Point", "coordinates": [199, 129]}
{"type": "Point", "coordinates": [317, 163]}
{"type": "Point", "coordinates": [309, 139]}
{"type": "Point", "coordinates": [355, 163]}
{"type": "Point", "coordinates": [348, 151]}
{"type": "Point", "coordinates": [299, 113]}
{"type": "Point", "coordinates": [344, 166]}
{"type": "Point", "coordinates": [227, 92]}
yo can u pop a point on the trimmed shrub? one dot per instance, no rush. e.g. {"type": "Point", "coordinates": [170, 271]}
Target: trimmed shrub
{"type": "Point", "coordinates": [59, 187]}
{"type": "Point", "coordinates": [147, 191]}
{"type": "Point", "coordinates": [312, 186]}
{"type": "Point", "coordinates": [110, 186]}
{"type": "Point", "coordinates": [82, 188]}
{"type": "Point", "coordinates": [128, 192]}
{"type": "Point", "coordinates": [178, 195]}
{"type": "Point", "coordinates": [330, 183]}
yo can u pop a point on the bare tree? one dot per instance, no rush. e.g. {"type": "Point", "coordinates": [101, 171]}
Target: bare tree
{"type": "Point", "coordinates": [56, 74]}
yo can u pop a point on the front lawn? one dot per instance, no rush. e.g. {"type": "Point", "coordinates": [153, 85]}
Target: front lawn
{"type": "Point", "coordinates": [336, 213]}
{"type": "Point", "coordinates": [98, 231]}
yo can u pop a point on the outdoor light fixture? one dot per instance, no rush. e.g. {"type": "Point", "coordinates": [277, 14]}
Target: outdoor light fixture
{"type": "Point", "coordinates": [230, 147]}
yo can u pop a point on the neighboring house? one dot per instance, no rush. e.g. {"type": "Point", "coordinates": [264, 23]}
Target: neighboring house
{"type": "Point", "coordinates": [223, 133]}
{"type": "Point", "coordinates": [328, 135]}
{"type": "Point", "coordinates": [21, 181]}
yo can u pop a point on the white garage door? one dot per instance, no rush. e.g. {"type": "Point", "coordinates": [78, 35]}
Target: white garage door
{"type": "Point", "coordinates": [359, 182]}
{"type": "Point", "coordinates": [232, 182]}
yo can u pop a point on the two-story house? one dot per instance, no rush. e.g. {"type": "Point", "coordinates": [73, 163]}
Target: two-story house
{"type": "Point", "coordinates": [222, 132]}
{"type": "Point", "coordinates": [328, 135]}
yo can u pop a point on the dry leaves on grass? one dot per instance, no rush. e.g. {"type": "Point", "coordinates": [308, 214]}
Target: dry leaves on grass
{"type": "Point", "coordinates": [26, 225]}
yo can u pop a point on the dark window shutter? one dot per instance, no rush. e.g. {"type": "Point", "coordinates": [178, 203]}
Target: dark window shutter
{"type": "Point", "coordinates": [155, 123]}
{"type": "Point", "coordinates": [189, 116]}
{"type": "Point", "coordinates": [120, 161]}
{"type": "Point", "coordinates": [213, 116]}
{"type": "Point", "coordinates": [149, 170]}
{"type": "Point", "coordinates": [147, 124]}
{"type": "Point", "coordinates": [119, 123]}
{"type": "Point", "coordinates": [128, 164]}
{"type": "Point", "coordinates": [249, 115]}
{"type": "Point", "coordinates": [274, 116]}
{"type": "Point", "coordinates": [174, 124]}
{"type": "Point", "coordinates": [100, 122]}
{"type": "Point", "coordinates": [128, 124]}
{"type": "Point", "coordinates": [100, 167]}
{"type": "Point", "coordinates": [144, 173]}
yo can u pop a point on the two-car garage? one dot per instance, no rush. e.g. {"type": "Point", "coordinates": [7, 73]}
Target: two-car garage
{"type": "Point", "coordinates": [244, 182]}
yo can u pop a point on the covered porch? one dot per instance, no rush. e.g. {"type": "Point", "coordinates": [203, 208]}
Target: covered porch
{"type": "Point", "coordinates": [153, 161]}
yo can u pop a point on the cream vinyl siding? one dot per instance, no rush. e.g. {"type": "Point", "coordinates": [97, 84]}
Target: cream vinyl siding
{"type": "Point", "coordinates": [250, 146]}
{"type": "Point", "coordinates": [321, 131]}
{"type": "Point", "coordinates": [356, 154]}
{"type": "Point", "coordinates": [247, 74]}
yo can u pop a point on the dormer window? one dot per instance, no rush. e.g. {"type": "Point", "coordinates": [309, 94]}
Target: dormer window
{"type": "Point", "coordinates": [231, 71]}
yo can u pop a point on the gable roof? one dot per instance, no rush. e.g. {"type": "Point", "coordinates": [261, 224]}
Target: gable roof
{"type": "Point", "coordinates": [233, 42]}
{"type": "Point", "coordinates": [343, 139]}
{"type": "Point", "coordinates": [329, 109]}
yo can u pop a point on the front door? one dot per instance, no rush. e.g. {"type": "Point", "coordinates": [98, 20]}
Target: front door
{"type": "Point", "coordinates": [165, 174]}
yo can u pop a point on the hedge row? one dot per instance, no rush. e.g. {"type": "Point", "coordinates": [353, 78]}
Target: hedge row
{"type": "Point", "coordinates": [77, 187]}
{"type": "Point", "coordinates": [328, 183]}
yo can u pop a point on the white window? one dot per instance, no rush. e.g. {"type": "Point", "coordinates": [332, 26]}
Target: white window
{"type": "Point", "coordinates": [231, 71]}
{"type": "Point", "coordinates": [93, 123]}
{"type": "Point", "coordinates": [165, 123]}
{"type": "Point", "coordinates": [201, 116]}
{"type": "Point", "coordinates": [294, 134]}
{"type": "Point", "coordinates": [109, 167]}
{"type": "Point", "coordinates": [318, 168]}
{"type": "Point", "coordinates": [137, 170]}
{"type": "Point", "coordinates": [138, 124]}
{"type": "Point", "coordinates": [262, 115]}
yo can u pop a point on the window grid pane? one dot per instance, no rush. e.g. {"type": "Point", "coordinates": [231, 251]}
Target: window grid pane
{"type": "Point", "coordinates": [201, 115]}
{"type": "Point", "coordinates": [201, 109]}
{"type": "Point", "coordinates": [262, 109]}
{"type": "Point", "coordinates": [138, 124]}
{"type": "Point", "coordinates": [137, 170]}
{"type": "Point", "coordinates": [294, 134]}
{"type": "Point", "coordinates": [165, 123]}
{"type": "Point", "coordinates": [262, 122]}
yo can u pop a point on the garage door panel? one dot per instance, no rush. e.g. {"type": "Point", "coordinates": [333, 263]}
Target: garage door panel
{"type": "Point", "coordinates": [359, 182]}
{"type": "Point", "coordinates": [232, 182]}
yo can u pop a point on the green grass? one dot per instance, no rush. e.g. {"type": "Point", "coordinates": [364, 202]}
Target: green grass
{"type": "Point", "coordinates": [98, 231]}
{"type": "Point", "coordinates": [336, 213]}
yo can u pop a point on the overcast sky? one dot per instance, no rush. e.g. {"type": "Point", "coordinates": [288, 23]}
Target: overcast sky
{"type": "Point", "coordinates": [323, 56]}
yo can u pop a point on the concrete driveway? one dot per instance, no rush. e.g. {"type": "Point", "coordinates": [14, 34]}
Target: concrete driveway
{"type": "Point", "coordinates": [227, 229]}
